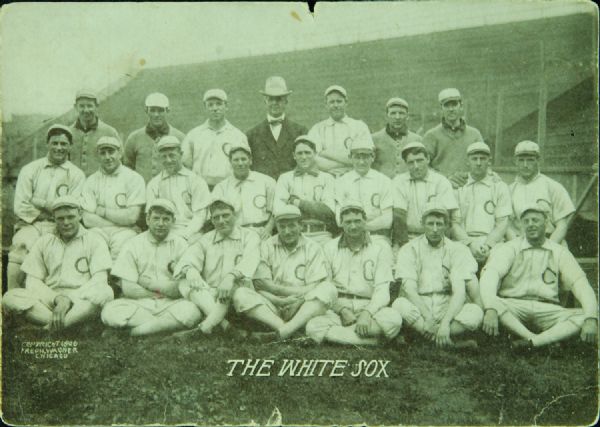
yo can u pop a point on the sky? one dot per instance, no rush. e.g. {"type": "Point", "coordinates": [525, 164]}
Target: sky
{"type": "Point", "coordinates": [50, 50]}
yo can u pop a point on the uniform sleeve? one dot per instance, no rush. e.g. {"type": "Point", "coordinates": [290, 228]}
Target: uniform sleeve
{"type": "Point", "coordinates": [88, 196]}
{"type": "Point", "coordinates": [315, 134]}
{"type": "Point", "coordinates": [282, 195]}
{"type": "Point", "coordinates": [129, 152]}
{"type": "Point", "coordinates": [250, 256]}
{"type": "Point", "coordinates": [125, 265]}
{"type": "Point", "coordinates": [315, 270]}
{"type": "Point", "coordinates": [445, 194]}
{"type": "Point", "coordinates": [464, 267]}
{"type": "Point", "coordinates": [77, 179]}
{"type": "Point", "coordinates": [430, 142]}
{"type": "Point", "coordinates": [501, 259]}
{"type": "Point", "coordinates": [383, 277]}
{"type": "Point", "coordinates": [400, 198]}
{"type": "Point", "coordinates": [329, 191]}
{"type": "Point", "coordinates": [193, 257]}
{"type": "Point", "coordinates": [137, 190]}
{"type": "Point", "coordinates": [363, 133]}
{"type": "Point", "coordinates": [562, 205]}
{"type": "Point", "coordinates": [23, 207]}
{"type": "Point", "coordinates": [200, 193]}
{"type": "Point", "coordinates": [270, 193]}
{"type": "Point", "coordinates": [387, 196]}
{"type": "Point", "coordinates": [100, 259]}
{"type": "Point", "coordinates": [458, 213]}
{"type": "Point", "coordinates": [34, 264]}
{"type": "Point", "coordinates": [187, 148]}
{"type": "Point", "coordinates": [263, 271]}
{"type": "Point", "coordinates": [406, 264]}
{"type": "Point", "coordinates": [570, 270]}
{"type": "Point", "coordinates": [503, 201]}
{"type": "Point", "coordinates": [152, 191]}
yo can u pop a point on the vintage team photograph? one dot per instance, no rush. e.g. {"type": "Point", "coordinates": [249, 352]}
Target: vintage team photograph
{"type": "Point", "coordinates": [268, 214]}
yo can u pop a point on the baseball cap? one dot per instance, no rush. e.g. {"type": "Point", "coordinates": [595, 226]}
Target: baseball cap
{"type": "Point", "coordinates": [287, 212]}
{"type": "Point", "coordinates": [223, 199]}
{"type": "Point", "coordinates": [108, 141]}
{"type": "Point", "coordinates": [449, 94]}
{"type": "Point", "coordinates": [396, 101]}
{"type": "Point", "coordinates": [336, 88]}
{"type": "Point", "coordinates": [162, 203]}
{"type": "Point", "coordinates": [361, 144]}
{"type": "Point", "coordinates": [58, 129]}
{"type": "Point", "coordinates": [352, 204]}
{"type": "Point", "coordinates": [434, 206]}
{"type": "Point", "coordinates": [409, 146]}
{"type": "Point", "coordinates": [215, 93]}
{"type": "Point", "coordinates": [534, 207]}
{"type": "Point", "coordinates": [65, 201]}
{"type": "Point", "coordinates": [168, 141]}
{"type": "Point", "coordinates": [275, 86]}
{"type": "Point", "coordinates": [527, 147]}
{"type": "Point", "coordinates": [239, 146]}
{"type": "Point", "coordinates": [157, 100]}
{"type": "Point", "coordinates": [478, 147]}
{"type": "Point", "coordinates": [86, 93]}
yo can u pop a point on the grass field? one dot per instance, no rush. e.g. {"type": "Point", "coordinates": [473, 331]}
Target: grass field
{"type": "Point", "coordinates": [169, 380]}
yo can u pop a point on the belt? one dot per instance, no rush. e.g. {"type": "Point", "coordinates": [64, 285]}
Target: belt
{"type": "Point", "coordinates": [351, 296]}
{"type": "Point", "coordinates": [313, 228]}
{"type": "Point", "coordinates": [256, 224]}
{"type": "Point", "coordinates": [382, 232]}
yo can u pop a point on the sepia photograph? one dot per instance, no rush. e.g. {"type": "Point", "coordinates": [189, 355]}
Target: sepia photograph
{"type": "Point", "coordinates": [290, 213]}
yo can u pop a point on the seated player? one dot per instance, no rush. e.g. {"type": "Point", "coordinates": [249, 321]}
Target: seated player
{"type": "Point", "coordinates": [520, 285]}
{"type": "Point", "coordinates": [187, 191]}
{"type": "Point", "coordinates": [291, 279]}
{"type": "Point", "coordinates": [151, 300]}
{"type": "Point", "coordinates": [434, 271]}
{"type": "Point", "coordinates": [112, 197]}
{"type": "Point", "coordinates": [361, 270]}
{"type": "Point", "coordinates": [218, 265]}
{"type": "Point", "coordinates": [66, 280]}
{"type": "Point", "coordinates": [310, 190]}
{"type": "Point", "coordinates": [252, 192]}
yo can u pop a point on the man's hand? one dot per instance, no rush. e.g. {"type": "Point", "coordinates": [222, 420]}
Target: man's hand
{"type": "Point", "coordinates": [458, 179]}
{"type": "Point", "coordinates": [442, 337]}
{"type": "Point", "coordinates": [290, 307]}
{"type": "Point", "coordinates": [589, 330]}
{"type": "Point", "coordinates": [363, 324]}
{"type": "Point", "coordinates": [266, 232]}
{"type": "Point", "coordinates": [348, 316]}
{"type": "Point", "coordinates": [225, 289]}
{"type": "Point", "coordinates": [490, 322]}
{"type": "Point", "coordinates": [39, 203]}
{"type": "Point", "coordinates": [430, 328]}
{"type": "Point", "coordinates": [287, 300]}
{"type": "Point", "coordinates": [61, 307]}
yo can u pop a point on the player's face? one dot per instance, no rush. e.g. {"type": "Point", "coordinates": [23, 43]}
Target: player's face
{"type": "Point", "coordinates": [110, 158]}
{"type": "Point", "coordinates": [216, 109]}
{"type": "Point", "coordinates": [452, 110]}
{"type": "Point", "coordinates": [159, 223]}
{"type": "Point", "coordinates": [276, 105]}
{"type": "Point", "coordinates": [170, 159]}
{"type": "Point", "coordinates": [58, 149]}
{"type": "Point", "coordinates": [528, 166]}
{"type": "Point", "coordinates": [534, 226]}
{"type": "Point", "coordinates": [157, 116]}
{"type": "Point", "coordinates": [397, 117]}
{"type": "Point", "coordinates": [304, 156]}
{"type": "Point", "coordinates": [435, 228]}
{"type": "Point", "coordinates": [336, 105]}
{"type": "Point", "coordinates": [289, 231]}
{"type": "Point", "coordinates": [67, 222]}
{"type": "Point", "coordinates": [240, 163]}
{"type": "Point", "coordinates": [86, 109]}
{"type": "Point", "coordinates": [478, 164]}
{"type": "Point", "coordinates": [417, 165]}
{"type": "Point", "coordinates": [223, 219]}
{"type": "Point", "coordinates": [353, 224]}
{"type": "Point", "coordinates": [361, 160]}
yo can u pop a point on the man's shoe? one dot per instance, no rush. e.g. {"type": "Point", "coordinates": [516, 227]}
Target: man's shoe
{"type": "Point", "coordinates": [521, 346]}
{"type": "Point", "coordinates": [264, 337]}
{"type": "Point", "coordinates": [466, 345]}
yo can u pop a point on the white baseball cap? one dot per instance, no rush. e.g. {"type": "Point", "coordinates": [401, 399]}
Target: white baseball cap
{"type": "Point", "coordinates": [336, 88]}
{"type": "Point", "coordinates": [157, 100]}
{"type": "Point", "coordinates": [396, 101]}
{"type": "Point", "coordinates": [478, 147]}
{"type": "Point", "coordinates": [449, 94]}
{"type": "Point", "coordinates": [527, 147]}
{"type": "Point", "coordinates": [215, 93]}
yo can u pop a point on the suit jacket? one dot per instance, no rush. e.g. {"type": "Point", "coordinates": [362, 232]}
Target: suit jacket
{"type": "Point", "coordinates": [274, 157]}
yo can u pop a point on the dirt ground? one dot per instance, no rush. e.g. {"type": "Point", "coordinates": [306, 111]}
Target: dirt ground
{"type": "Point", "coordinates": [115, 379]}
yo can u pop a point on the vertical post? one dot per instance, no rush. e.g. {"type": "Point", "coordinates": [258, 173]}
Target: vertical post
{"type": "Point", "coordinates": [35, 146]}
{"type": "Point", "coordinates": [488, 106]}
{"type": "Point", "coordinates": [499, 114]}
{"type": "Point", "coordinates": [543, 99]}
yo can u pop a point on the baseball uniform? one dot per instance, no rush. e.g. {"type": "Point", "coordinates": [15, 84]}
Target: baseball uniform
{"type": "Point", "coordinates": [388, 146]}
{"type": "Point", "coordinates": [83, 149]}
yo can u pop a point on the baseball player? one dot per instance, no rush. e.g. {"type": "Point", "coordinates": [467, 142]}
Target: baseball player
{"type": "Point", "coordinates": [310, 190]}
{"type": "Point", "coordinates": [87, 130]}
{"type": "Point", "coordinates": [66, 273]}
{"type": "Point", "coordinates": [448, 141]}
{"type": "Point", "coordinates": [206, 147]}
{"type": "Point", "coordinates": [334, 134]}
{"type": "Point", "coordinates": [434, 271]}
{"type": "Point", "coordinates": [252, 192]}
{"type": "Point", "coordinates": [390, 140]}
{"type": "Point", "coordinates": [484, 204]}
{"type": "Point", "coordinates": [112, 197]}
{"type": "Point", "coordinates": [372, 189]}
{"type": "Point", "coordinates": [38, 185]}
{"type": "Point", "coordinates": [412, 191]}
{"type": "Point", "coordinates": [140, 153]}
{"type": "Point", "coordinates": [361, 270]}
{"type": "Point", "coordinates": [151, 300]}
{"type": "Point", "coordinates": [530, 185]}
{"type": "Point", "coordinates": [218, 265]}
{"type": "Point", "coordinates": [291, 285]}
{"type": "Point", "coordinates": [182, 187]}
{"type": "Point", "coordinates": [520, 285]}
{"type": "Point", "coordinates": [271, 141]}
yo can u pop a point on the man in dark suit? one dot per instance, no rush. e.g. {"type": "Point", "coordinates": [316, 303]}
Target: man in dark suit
{"type": "Point", "coordinates": [272, 140]}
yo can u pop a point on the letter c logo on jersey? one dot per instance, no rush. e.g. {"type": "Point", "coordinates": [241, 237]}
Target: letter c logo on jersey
{"type": "Point", "coordinates": [121, 200]}
{"type": "Point", "coordinates": [62, 190]}
{"type": "Point", "coordinates": [489, 207]}
{"type": "Point", "coordinates": [369, 270]}
{"type": "Point", "coordinates": [226, 147]}
{"type": "Point", "coordinates": [260, 201]}
{"type": "Point", "coordinates": [300, 272]}
{"type": "Point", "coordinates": [82, 265]}
{"type": "Point", "coordinates": [549, 276]}
{"type": "Point", "coordinates": [376, 200]}
{"type": "Point", "coordinates": [187, 197]}
{"type": "Point", "coordinates": [237, 259]}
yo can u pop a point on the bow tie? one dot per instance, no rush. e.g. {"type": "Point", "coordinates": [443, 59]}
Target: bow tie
{"type": "Point", "coordinates": [275, 122]}
{"type": "Point", "coordinates": [312, 172]}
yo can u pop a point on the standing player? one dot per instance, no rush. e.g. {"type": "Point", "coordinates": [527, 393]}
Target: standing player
{"type": "Point", "coordinates": [38, 185]}
{"type": "Point", "coordinates": [390, 140]}
{"type": "Point", "coordinates": [335, 134]}
{"type": "Point", "coordinates": [310, 190]}
{"type": "Point", "coordinates": [66, 273]}
{"type": "Point", "coordinates": [151, 300]}
{"type": "Point", "coordinates": [271, 141]}
{"type": "Point", "coordinates": [182, 187]}
{"type": "Point", "coordinates": [112, 197]}
{"type": "Point", "coordinates": [206, 147]}
{"type": "Point", "coordinates": [140, 148]}
{"type": "Point", "coordinates": [87, 130]}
